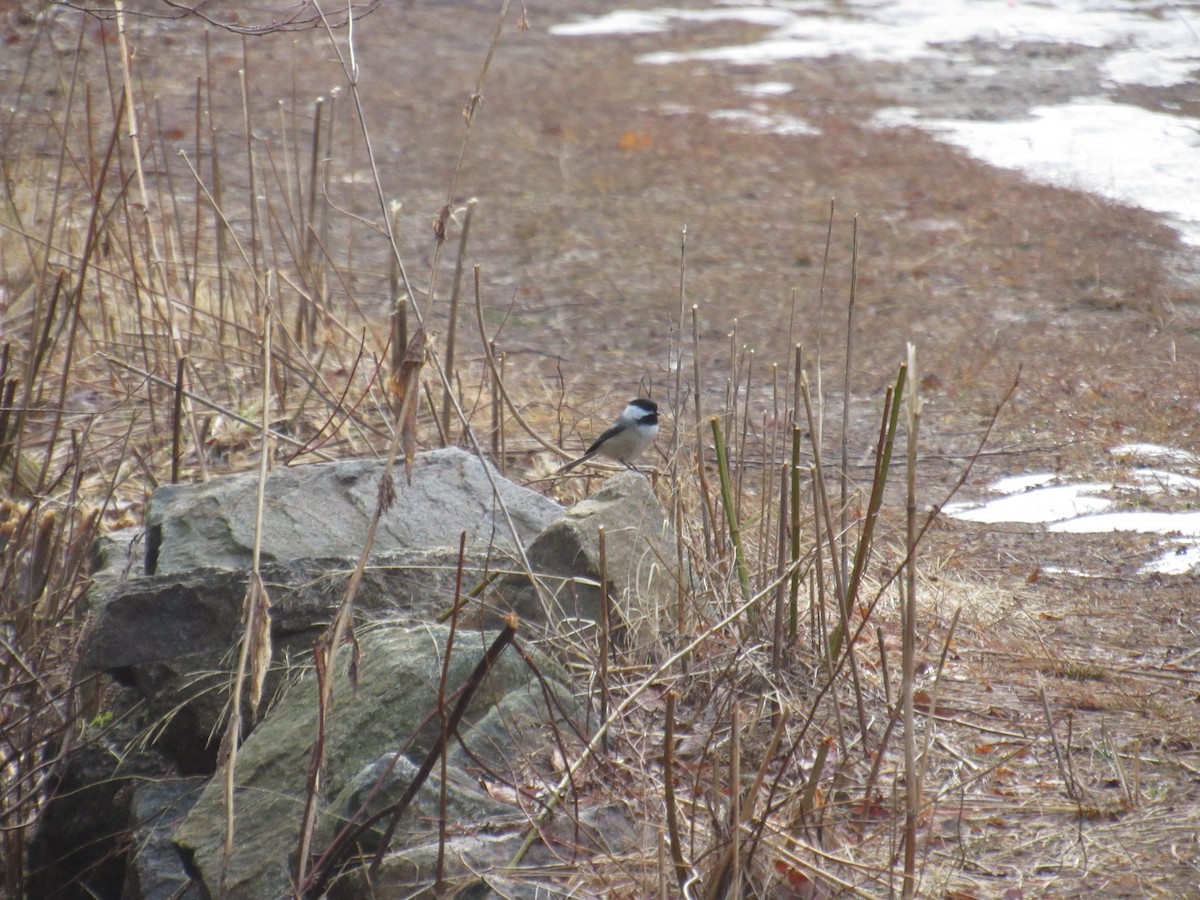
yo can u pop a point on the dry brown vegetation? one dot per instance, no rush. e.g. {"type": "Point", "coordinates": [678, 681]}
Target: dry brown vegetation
{"type": "Point", "coordinates": [1054, 720]}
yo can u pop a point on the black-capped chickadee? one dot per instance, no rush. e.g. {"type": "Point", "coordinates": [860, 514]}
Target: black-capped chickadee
{"type": "Point", "coordinates": [624, 440]}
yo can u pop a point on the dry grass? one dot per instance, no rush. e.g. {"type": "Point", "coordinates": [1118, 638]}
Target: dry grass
{"type": "Point", "coordinates": [1054, 720]}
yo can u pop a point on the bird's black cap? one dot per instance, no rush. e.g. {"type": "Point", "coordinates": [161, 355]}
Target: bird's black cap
{"type": "Point", "coordinates": [648, 408]}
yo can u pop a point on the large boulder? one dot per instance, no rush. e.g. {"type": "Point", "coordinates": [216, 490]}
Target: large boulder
{"type": "Point", "coordinates": [323, 510]}
{"type": "Point", "coordinates": [166, 627]}
{"type": "Point", "coordinates": [169, 637]}
{"type": "Point", "coordinates": [640, 567]}
{"type": "Point", "coordinates": [390, 725]}
{"type": "Point", "coordinates": [154, 870]}
{"type": "Point", "coordinates": [76, 851]}
{"type": "Point", "coordinates": [167, 614]}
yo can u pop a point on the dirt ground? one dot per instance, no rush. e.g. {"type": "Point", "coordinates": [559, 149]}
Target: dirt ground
{"type": "Point", "coordinates": [587, 166]}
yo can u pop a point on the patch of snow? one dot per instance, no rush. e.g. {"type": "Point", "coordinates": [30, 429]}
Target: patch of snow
{"type": "Point", "coordinates": [1138, 521]}
{"type": "Point", "coordinates": [1126, 153]}
{"type": "Point", "coordinates": [1039, 505]}
{"type": "Point", "coordinates": [1074, 573]}
{"type": "Point", "coordinates": [767, 89]}
{"type": "Point", "coordinates": [771, 123]}
{"type": "Point", "coordinates": [638, 22]}
{"type": "Point", "coordinates": [1155, 451]}
{"type": "Point", "coordinates": [1037, 498]}
{"type": "Point", "coordinates": [1183, 560]}
{"type": "Point", "coordinates": [626, 21]}
{"type": "Point", "coordinates": [1157, 480]}
{"type": "Point", "coordinates": [1013, 484]}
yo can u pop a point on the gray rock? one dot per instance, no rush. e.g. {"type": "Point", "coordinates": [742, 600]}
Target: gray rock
{"type": "Point", "coordinates": [383, 782]}
{"type": "Point", "coordinates": [476, 867]}
{"type": "Point", "coordinates": [155, 870]}
{"type": "Point", "coordinates": [477, 864]}
{"type": "Point", "coordinates": [116, 556]}
{"type": "Point", "coordinates": [640, 555]}
{"type": "Point", "coordinates": [166, 627]}
{"type": "Point", "coordinates": [170, 636]}
{"type": "Point", "coordinates": [104, 831]}
{"type": "Point", "coordinates": [75, 852]}
{"type": "Point", "coordinates": [323, 510]}
{"type": "Point", "coordinates": [399, 674]}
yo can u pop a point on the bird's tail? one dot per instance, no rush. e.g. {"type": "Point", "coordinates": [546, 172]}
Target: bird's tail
{"type": "Point", "coordinates": [573, 463]}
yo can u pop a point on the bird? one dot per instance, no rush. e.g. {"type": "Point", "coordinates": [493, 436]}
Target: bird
{"type": "Point", "coordinates": [626, 438]}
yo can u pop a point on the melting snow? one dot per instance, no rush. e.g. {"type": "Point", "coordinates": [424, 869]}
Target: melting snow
{"type": "Point", "coordinates": [1079, 508]}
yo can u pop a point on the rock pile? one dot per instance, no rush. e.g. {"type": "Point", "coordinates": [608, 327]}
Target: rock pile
{"type": "Point", "coordinates": [167, 613]}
